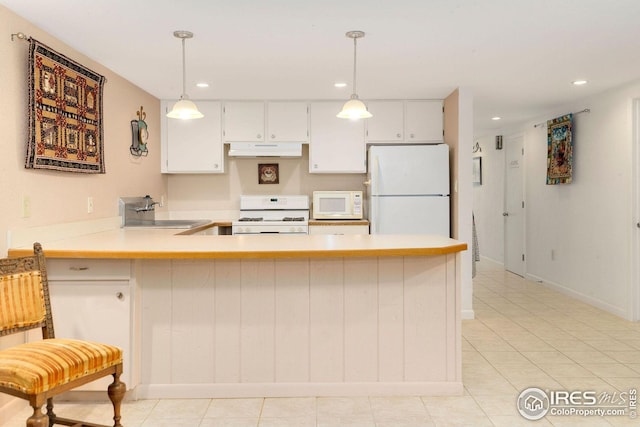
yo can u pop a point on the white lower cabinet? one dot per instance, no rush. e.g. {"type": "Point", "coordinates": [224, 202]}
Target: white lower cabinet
{"type": "Point", "coordinates": [339, 229]}
{"type": "Point", "coordinates": [93, 300]}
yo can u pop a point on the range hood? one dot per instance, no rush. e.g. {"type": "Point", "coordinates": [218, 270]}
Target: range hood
{"type": "Point", "coordinates": [265, 149]}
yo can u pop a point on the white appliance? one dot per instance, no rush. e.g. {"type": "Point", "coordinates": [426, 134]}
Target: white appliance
{"type": "Point", "coordinates": [337, 205]}
{"type": "Point", "coordinates": [272, 215]}
{"type": "Point", "coordinates": [409, 189]}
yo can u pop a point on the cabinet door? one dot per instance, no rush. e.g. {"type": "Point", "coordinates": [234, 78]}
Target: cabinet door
{"type": "Point", "coordinates": [95, 311]}
{"type": "Point", "coordinates": [287, 121]}
{"type": "Point", "coordinates": [338, 229]}
{"type": "Point", "coordinates": [387, 123]}
{"type": "Point", "coordinates": [193, 146]}
{"type": "Point", "coordinates": [336, 145]}
{"type": "Point", "coordinates": [244, 121]}
{"type": "Point", "coordinates": [423, 121]}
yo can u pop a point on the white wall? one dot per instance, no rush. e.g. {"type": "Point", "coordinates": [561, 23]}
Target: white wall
{"type": "Point", "coordinates": [60, 197]}
{"type": "Point", "coordinates": [588, 223]}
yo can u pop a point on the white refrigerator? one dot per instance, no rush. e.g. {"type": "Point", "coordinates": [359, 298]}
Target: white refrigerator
{"type": "Point", "coordinates": [409, 189]}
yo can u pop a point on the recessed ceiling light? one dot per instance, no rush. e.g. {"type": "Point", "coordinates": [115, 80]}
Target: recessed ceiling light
{"type": "Point", "coordinates": [340, 84]}
{"type": "Point", "coordinates": [203, 84]}
{"type": "Point", "coordinates": [496, 118]}
{"type": "Point", "coordinates": [579, 82]}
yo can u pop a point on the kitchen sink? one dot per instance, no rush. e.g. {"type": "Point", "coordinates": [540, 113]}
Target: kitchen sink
{"type": "Point", "coordinates": [167, 223]}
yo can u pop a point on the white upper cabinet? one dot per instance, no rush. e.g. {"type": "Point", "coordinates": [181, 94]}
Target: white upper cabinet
{"type": "Point", "coordinates": [405, 121]}
{"type": "Point", "coordinates": [192, 146]}
{"type": "Point", "coordinates": [244, 121]}
{"type": "Point", "coordinates": [287, 121]}
{"type": "Point", "coordinates": [423, 121]}
{"type": "Point", "coordinates": [273, 121]}
{"type": "Point", "coordinates": [336, 145]}
{"type": "Point", "coordinates": [387, 123]}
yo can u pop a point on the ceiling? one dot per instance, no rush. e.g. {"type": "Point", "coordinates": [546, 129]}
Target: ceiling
{"type": "Point", "coordinates": [517, 57]}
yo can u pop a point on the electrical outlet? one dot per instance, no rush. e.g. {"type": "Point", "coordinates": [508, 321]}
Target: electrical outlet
{"type": "Point", "coordinates": [89, 204]}
{"type": "Point", "coordinates": [26, 206]}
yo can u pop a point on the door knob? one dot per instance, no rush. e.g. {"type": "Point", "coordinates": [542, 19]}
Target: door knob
{"type": "Point", "coordinates": [505, 213]}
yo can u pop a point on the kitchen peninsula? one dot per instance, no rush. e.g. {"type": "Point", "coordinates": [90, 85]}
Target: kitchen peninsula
{"type": "Point", "coordinates": [275, 315]}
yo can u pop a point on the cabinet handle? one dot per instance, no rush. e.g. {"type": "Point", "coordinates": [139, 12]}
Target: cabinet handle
{"type": "Point", "coordinates": [215, 166]}
{"type": "Point", "coordinates": [399, 135]}
{"type": "Point", "coordinates": [258, 136]}
{"type": "Point", "coordinates": [78, 268]}
{"type": "Point", "coordinates": [410, 135]}
{"type": "Point", "coordinates": [120, 296]}
{"type": "Point", "coordinates": [272, 136]}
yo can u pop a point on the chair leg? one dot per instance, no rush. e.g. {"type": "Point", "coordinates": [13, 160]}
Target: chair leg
{"type": "Point", "coordinates": [50, 413]}
{"type": "Point", "coordinates": [38, 419]}
{"type": "Point", "coordinates": [116, 392]}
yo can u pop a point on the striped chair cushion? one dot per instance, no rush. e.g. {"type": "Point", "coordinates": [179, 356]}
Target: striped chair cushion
{"type": "Point", "coordinates": [40, 366]}
{"type": "Point", "coordinates": [21, 300]}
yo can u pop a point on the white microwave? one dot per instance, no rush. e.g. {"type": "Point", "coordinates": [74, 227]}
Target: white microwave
{"type": "Point", "coordinates": [337, 205]}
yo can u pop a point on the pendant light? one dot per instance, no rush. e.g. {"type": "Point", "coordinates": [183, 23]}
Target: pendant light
{"type": "Point", "coordinates": [354, 108]}
{"type": "Point", "coordinates": [184, 109]}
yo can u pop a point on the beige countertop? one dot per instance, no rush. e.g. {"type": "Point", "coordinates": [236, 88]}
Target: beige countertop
{"type": "Point", "coordinates": [170, 244]}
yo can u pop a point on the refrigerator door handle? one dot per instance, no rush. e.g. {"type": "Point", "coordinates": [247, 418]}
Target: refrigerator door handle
{"type": "Point", "coordinates": [374, 191]}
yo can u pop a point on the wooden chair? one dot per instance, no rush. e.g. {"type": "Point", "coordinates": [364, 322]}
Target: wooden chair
{"type": "Point", "coordinates": [38, 371]}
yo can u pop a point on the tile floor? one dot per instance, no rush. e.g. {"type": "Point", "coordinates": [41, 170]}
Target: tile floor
{"type": "Point", "coordinates": [524, 335]}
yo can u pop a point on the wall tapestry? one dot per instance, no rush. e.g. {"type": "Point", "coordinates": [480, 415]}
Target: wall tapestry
{"type": "Point", "coordinates": [65, 113]}
{"type": "Point", "coordinates": [560, 150]}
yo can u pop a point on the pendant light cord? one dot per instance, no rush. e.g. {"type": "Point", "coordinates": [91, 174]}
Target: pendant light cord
{"type": "Point", "coordinates": [355, 42]}
{"type": "Point", "coordinates": [184, 74]}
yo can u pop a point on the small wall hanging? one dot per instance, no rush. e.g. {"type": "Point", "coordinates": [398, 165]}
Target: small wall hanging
{"type": "Point", "coordinates": [477, 170]}
{"type": "Point", "coordinates": [139, 135]}
{"type": "Point", "coordinates": [560, 150]}
{"type": "Point", "coordinates": [65, 113]}
{"type": "Point", "coordinates": [268, 173]}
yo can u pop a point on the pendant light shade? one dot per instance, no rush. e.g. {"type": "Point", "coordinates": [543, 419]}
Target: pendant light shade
{"type": "Point", "coordinates": [354, 109]}
{"type": "Point", "coordinates": [184, 109]}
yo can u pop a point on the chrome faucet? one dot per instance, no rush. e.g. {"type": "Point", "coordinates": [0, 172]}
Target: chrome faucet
{"type": "Point", "coordinates": [148, 206]}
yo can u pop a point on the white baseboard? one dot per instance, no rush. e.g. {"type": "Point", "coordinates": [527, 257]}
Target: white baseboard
{"type": "Point", "coordinates": [200, 391]}
{"type": "Point", "coordinates": [618, 311]}
{"type": "Point", "coordinates": [468, 314]}
{"type": "Point", "coordinates": [491, 263]}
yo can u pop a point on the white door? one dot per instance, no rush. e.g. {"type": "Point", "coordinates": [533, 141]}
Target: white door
{"type": "Point", "coordinates": [95, 311]}
{"type": "Point", "coordinates": [409, 170]}
{"type": "Point", "coordinates": [336, 145]}
{"type": "Point", "coordinates": [423, 121]}
{"type": "Point", "coordinates": [287, 121]}
{"type": "Point", "coordinates": [195, 145]}
{"type": "Point", "coordinates": [635, 297]}
{"type": "Point", "coordinates": [244, 121]}
{"type": "Point", "coordinates": [514, 256]}
{"type": "Point", "coordinates": [387, 123]}
{"type": "Point", "coordinates": [410, 215]}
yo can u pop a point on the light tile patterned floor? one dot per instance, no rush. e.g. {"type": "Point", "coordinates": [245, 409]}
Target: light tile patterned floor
{"type": "Point", "coordinates": [524, 335]}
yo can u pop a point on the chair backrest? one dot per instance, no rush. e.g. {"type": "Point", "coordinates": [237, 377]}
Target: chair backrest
{"type": "Point", "coordinates": [24, 294]}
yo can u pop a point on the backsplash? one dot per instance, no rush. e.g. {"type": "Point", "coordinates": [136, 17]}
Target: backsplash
{"type": "Point", "coordinates": [208, 192]}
